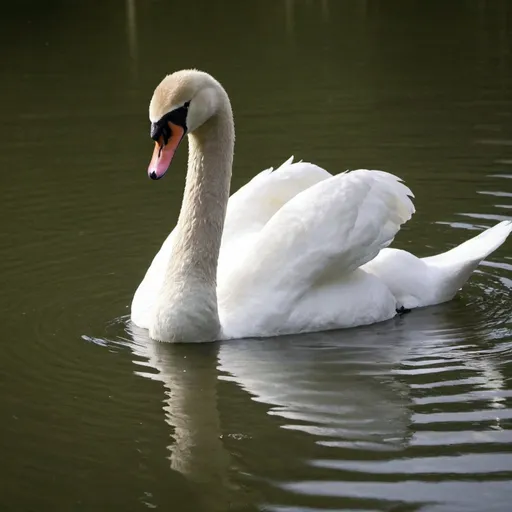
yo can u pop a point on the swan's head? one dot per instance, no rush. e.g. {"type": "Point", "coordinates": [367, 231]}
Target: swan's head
{"type": "Point", "coordinates": [181, 103]}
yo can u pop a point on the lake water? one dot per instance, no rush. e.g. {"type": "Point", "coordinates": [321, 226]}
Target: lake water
{"type": "Point", "coordinates": [412, 414]}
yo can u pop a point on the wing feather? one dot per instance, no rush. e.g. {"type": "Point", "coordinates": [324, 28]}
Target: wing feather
{"type": "Point", "coordinates": [327, 230]}
{"type": "Point", "coordinates": [252, 206]}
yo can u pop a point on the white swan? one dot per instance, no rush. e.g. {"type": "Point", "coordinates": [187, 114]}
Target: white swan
{"type": "Point", "coordinates": [294, 250]}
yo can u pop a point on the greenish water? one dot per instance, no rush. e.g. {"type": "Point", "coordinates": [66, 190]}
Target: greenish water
{"type": "Point", "coordinates": [413, 414]}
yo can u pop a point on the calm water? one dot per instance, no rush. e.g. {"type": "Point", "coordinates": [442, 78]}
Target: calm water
{"type": "Point", "coordinates": [413, 414]}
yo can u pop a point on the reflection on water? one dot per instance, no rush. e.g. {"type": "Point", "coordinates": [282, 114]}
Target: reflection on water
{"type": "Point", "coordinates": [191, 411]}
{"type": "Point", "coordinates": [131, 30]}
{"type": "Point", "coordinates": [412, 414]}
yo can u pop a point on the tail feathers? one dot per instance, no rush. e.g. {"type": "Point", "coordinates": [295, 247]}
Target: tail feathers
{"type": "Point", "coordinates": [454, 267]}
{"type": "Point", "coordinates": [474, 249]}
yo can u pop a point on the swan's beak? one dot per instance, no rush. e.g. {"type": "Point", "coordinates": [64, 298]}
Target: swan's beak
{"type": "Point", "coordinates": [164, 151]}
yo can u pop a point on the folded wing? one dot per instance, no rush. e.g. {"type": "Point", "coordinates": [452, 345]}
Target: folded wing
{"type": "Point", "coordinates": [253, 205]}
{"type": "Point", "coordinates": [324, 232]}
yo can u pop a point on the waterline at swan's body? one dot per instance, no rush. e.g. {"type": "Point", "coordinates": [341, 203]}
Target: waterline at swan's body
{"type": "Point", "coordinates": [294, 250]}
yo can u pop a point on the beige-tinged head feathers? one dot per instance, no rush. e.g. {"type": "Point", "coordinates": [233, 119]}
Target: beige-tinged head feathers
{"type": "Point", "coordinates": [177, 89]}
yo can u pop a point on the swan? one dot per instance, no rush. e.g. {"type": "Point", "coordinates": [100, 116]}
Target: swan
{"type": "Point", "coordinates": [294, 250]}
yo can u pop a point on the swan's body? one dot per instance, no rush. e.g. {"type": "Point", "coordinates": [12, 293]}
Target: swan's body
{"type": "Point", "coordinates": [294, 250]}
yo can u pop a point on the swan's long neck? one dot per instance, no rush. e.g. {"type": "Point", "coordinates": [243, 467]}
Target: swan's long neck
{"type": "Point", "coordinates": [201, 219]}
{"type": "Point", "coordinates": [187, 305]}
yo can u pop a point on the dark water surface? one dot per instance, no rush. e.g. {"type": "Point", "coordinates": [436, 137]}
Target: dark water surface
{"type": "Point", "coordinates": [413, 414]}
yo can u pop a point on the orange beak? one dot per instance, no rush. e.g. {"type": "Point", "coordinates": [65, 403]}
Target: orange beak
{"type": "Point", "coordinates": [164, 152]}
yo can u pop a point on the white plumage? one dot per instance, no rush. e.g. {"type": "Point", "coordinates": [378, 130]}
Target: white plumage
{"type": "Point", "coordinates": [294, 250]}
{"type": "Point", "coordinates": [304, 251]}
